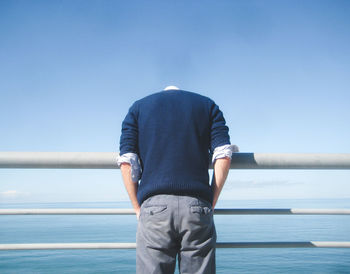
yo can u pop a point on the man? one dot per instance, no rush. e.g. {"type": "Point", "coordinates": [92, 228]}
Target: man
{"type": "Point", "coordinates": [167, 139]}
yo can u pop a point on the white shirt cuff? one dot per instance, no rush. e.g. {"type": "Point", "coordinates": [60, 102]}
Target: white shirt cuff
{"type": "Point", "coordinates": [224, 151]}
{"type": "Point", "coordinates": [133, 160]}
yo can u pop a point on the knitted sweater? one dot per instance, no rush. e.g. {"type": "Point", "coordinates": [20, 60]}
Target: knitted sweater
{"type": "Point", "coordinates": [173, 132]}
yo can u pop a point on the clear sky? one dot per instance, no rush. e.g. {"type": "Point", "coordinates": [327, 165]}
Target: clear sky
{"type": "Point", "coordinates": [69, 71]}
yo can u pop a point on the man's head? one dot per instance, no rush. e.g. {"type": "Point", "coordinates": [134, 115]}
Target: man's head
{"type": "Point", "coordinates": [171, 88]}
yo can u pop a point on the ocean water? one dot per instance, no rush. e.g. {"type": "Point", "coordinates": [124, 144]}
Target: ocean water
{"type": "Point", "coordinates": [230, 228]}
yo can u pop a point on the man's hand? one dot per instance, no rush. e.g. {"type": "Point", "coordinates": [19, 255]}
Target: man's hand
{"type": "Point", "coordinates": [137, 213]}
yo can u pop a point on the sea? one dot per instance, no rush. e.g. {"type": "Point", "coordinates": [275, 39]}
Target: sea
{"type": "Point", "coordinates": [230, 228]}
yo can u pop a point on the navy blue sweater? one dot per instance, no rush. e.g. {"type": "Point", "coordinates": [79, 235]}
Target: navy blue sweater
{"type": "Point", "coordinates": [174, 132]}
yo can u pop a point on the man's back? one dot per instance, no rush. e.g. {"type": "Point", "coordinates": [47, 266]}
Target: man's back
{"type": "Point", "coordinates": [175, 132]}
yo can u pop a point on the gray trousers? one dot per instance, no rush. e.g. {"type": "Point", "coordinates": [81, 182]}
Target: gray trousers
{"type": "Point", "coordinates": [171, 226]}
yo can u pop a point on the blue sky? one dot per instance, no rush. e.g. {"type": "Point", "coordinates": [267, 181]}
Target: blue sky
{"type": "Point", "coordinates": [69, 70]}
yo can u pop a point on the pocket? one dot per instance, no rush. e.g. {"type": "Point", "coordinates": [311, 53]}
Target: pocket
{"type": "Point", "coordinates": [154, 209]}
{"type": "Point", "coordinates": [202, 210]}
{"type": "Point", "coordinates": [201, 217]}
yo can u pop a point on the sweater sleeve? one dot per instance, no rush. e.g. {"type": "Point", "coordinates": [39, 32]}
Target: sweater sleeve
{"type": "Point", "coordinates": [219, 131]}
{"type": "Point", "coordinates": [129, 135]}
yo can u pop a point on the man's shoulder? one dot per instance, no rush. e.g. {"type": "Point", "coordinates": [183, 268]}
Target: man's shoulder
{"type": "Point", "coordinates": [196, 95]}
{"type": "Point", "coordinates": [164, 94]}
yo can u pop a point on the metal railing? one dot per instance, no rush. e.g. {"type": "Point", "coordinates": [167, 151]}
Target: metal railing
{"type": "Point", "coordinates": [107, 160]}
{"type": "Point", "coordinates": [129, 211]}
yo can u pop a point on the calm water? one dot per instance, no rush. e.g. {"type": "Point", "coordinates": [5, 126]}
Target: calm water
{"type": "Point", "coordinates": [49, 229]}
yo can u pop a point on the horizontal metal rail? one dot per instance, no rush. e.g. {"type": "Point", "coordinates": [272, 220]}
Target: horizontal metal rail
{"type": "Point", "coordinates": [280, 211]}
{"type": "Point", "coordinates": [66, 211]}
{"type": "Point", "coordinates": [129, 211]}
{"type": "Point", "coordinates": [108, 160]}
{"type": "Point", "coordinates": [47, 246]}
{"type": "Point", "coordinates": [68, 246]}
{"type": "Point", "coordinates": [284, 244]}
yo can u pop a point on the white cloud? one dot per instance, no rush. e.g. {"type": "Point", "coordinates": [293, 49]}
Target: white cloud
{"type": "Point", "coordinates": [13, 195]}
{"type": "Point", "coordinates": [9, 193]}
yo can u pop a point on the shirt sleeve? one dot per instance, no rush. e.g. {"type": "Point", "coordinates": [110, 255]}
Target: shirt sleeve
{"type": "Point", "coordinates": [224, 151]}
{"type": "Point", "coordinates": [219, 131]}
{"type": "Point", "coordinates": [133, 160]}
